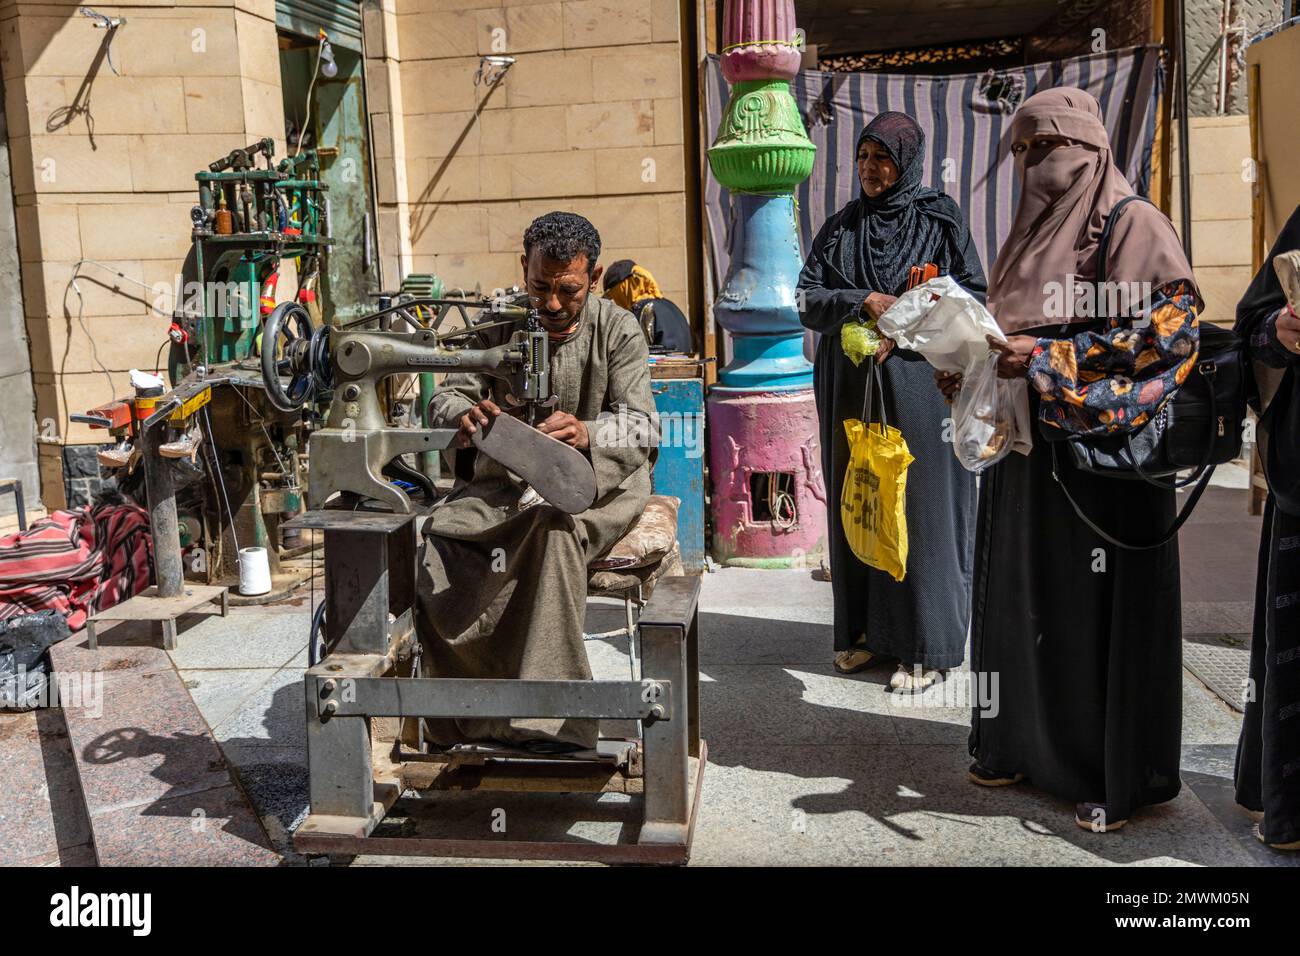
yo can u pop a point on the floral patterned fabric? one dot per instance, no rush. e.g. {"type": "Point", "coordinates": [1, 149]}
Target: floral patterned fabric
{"type": "Point", "coordinates": [1095, 383]}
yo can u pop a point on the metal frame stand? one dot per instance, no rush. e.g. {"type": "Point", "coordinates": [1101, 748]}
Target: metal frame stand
{"type": "Point", "coordinates": [170, 597]}
{"type": "Point", "coordinates": [357, 766]}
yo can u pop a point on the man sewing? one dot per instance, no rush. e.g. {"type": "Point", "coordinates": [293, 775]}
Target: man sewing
{"type": "Point", "coordinates": [503, 577]}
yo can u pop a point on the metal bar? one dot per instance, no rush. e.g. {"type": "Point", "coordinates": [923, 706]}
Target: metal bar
{"type": "Point", "coordinates": [340, 775]}
{"type": "Point", "coordinates": [667, 769]}
{"type": "Point", "coordinates": [356, 591]}
{"type": "Point", "coordinates": [644, 854]}
{"type": "Point", "coordinates": [455, 697]}
{"type": "Point", "coordinates": [674, 601]}
{"type": "Point", "coordinates": [693, 683]}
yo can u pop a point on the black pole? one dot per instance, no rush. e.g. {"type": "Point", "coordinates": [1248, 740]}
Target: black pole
{"type": "Point", "coordinates": [1184, 136]}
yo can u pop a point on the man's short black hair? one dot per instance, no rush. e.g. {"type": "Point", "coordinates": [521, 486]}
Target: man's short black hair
{"type": "Point", "coordinates": [563, 236]}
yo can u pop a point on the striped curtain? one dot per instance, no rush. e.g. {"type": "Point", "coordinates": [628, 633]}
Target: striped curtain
{"type": "Point", "coordinates": [966, 132]}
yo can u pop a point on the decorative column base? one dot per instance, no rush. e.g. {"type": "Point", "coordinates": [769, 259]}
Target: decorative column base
{"type": "Point", "coordinates": [766, 363]}
{"type": "Point", "coordinates": [769, 498]}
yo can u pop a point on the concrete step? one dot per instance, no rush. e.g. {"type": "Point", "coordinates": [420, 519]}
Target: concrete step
{"type": "Point", "coordinates": [156, 787]}
{"type": "Point", "coordinates": [42, 820]}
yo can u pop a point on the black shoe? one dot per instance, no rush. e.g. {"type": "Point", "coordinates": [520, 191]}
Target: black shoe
{"type": "Point", "coordinates": [1095, 817]}
{"type": "Point", "coordinates": [991, 778]}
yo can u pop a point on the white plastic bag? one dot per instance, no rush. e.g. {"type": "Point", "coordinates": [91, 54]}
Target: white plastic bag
{"type": "Point", "coordinates": [943, 322]}
{"type": "Point", "coordinates": [948, 326]}
{"type": "Point", "coordinates": [983, 416]}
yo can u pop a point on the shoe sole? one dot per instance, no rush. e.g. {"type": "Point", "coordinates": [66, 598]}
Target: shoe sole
{"type": "Point", "coordinates": [1108, 828]}
{"type": "Point", "coordinates": [998, 782]}
{"type": "Point", "coordinates": [853, 670]}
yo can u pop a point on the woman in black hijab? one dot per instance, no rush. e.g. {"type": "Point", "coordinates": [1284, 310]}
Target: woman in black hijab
{"type": "Point", "coordinates": [861, 260]}
{"type": "Point", "coordinates": [1268, 754]}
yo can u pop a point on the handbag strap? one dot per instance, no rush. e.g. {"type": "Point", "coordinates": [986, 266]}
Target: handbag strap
{"type": "Point", "coordinates": [1103, 244]}
{"type": "Point", "coordinates": [874, 380]}
{"type": "Point", "coordinates": [1172, 533]}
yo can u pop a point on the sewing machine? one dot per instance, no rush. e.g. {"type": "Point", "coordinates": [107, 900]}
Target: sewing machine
{"type": "Point", "coordinates": [358, 451]}
{"type": "Point", "coordinates": [365, 698]}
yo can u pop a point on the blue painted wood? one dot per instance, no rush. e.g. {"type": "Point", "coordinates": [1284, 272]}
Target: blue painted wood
{"type": "Point", "coordinates": [680, 469]}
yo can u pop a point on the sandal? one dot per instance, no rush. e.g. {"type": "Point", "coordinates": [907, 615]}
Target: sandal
{"type": "Point", "coordinates": [913, 680]}
{"type": "Point", "coordinates": [1259, 835]}
{"type": "Point", "coordinates": [850, 662]}
{"type": "Point", "coordinates": [1094, 817]}
{"type": "Point", "coordinates": [856, 658]}
{"type": "Point", "coordinates": [985, 777]}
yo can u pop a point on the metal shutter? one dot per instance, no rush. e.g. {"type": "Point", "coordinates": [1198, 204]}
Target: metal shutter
{"type": "Point", "coordinates": [341, 19]}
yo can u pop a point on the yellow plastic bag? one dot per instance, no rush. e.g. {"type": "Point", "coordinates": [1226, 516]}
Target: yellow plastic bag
{"type": "Point", "coordinates": [874, 501]}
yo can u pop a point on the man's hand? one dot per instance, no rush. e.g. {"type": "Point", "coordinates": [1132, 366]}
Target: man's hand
{"type": "Point", "coordinates": [883, 349]}
{"type": "Point", "coordinates": [1013, 354]}
{"type": "Point", "coordinates": [478, 416]}
{"type": "Point", "coordinates": [1288, 329]}
{"type": "Point", "coordinates": [564, 427]}
{"type": "Point", "coordinates": [949, 383]}
{"type": "Point", "coordinates": [876, 304]}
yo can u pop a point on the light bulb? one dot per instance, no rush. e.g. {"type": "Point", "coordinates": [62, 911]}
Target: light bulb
{"type": "Point", "coordinates": [328, 67]}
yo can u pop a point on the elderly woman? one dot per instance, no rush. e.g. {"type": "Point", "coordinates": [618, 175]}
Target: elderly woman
{"type": "Point", "coordinates": [1083, 637]}
{"type": "Point", "coordinates": [860, 262]}
{"type": "Point", "coordinates": [1268, 755]}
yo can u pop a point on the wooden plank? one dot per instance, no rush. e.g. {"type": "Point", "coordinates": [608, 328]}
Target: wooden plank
{"type": "Point", "coordinates": [148, 606]}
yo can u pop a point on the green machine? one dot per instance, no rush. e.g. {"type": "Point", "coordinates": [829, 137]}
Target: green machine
{"type": "Point", "coordinates": [254, 218]}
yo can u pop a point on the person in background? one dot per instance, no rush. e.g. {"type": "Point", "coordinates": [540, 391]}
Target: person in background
{"type": "Point", "coordinates": [861, 260]}
{"type": "Point", "coordinates": [1268, 753]}
{"type": "Point", "coordinates": [1084, 639]}
{"type": "Point", "coordinates": [633, 287]}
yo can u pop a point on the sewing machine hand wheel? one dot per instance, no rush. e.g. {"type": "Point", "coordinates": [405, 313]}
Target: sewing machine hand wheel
{"type": "Point", "coordinates": [286, 350]}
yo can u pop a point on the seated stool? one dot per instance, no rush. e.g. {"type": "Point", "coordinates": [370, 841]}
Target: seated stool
{"type": "Point", "coordinates": [647, 552]}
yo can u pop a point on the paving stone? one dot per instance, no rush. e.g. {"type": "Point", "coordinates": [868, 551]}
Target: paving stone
{"type": "Point", "coordinates": [214, 827]}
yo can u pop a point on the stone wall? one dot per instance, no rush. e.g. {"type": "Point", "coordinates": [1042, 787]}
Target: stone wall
{"type": "Point", "coordinates": [589, 119]}
{"type": "Point", "coordinates": [114, 183]}
{"type": "Point", "coordinates": [1221, 210]}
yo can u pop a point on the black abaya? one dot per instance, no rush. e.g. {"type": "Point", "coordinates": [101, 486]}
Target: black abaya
{"type": "Point", "coordinates": [1079, 642]}
{"type": "Point", "coordinates": [1268, 753]}
{"type": "Point", "coordinates": [870, 246]}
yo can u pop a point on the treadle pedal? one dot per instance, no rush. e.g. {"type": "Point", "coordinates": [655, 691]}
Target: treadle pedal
{"type": "Point", "coordinates": [622, 754]}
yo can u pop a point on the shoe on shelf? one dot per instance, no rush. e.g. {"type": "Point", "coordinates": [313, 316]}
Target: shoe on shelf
{"type": "Point", "coordinates": [914, 679]}
{"type": "Point", "coordinates": [187, 446]}
{"type": "Point", "coordinates": [116, 457]}
{"type": "Point", "coordinates": [1095, 817]}
{"type": "Point", "coordinates": [985, 777]}
{"type": "Point", "coordinates": [1259, 835]}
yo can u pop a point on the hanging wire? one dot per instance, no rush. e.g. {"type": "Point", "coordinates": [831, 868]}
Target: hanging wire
{"type": "Point", "coordinates": [216, 468]}
{"type": "Point", "coordinates": [108, 23]}
{"type": "Point", "coordinates": [306, 110]}
{"type": "Point", "coordinates": [781, 505]}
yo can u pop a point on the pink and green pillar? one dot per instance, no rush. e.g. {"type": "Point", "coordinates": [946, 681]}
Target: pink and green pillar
{"type": "Point", "coordinates": [768, 492]}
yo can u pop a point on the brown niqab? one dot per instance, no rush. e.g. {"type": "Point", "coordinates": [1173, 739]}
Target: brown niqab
{"type": "Point", "coordinates": [1067, 192]}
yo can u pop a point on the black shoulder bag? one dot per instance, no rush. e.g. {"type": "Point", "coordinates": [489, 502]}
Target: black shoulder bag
{"type": "Point", "coordinates": [1198, 427]}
